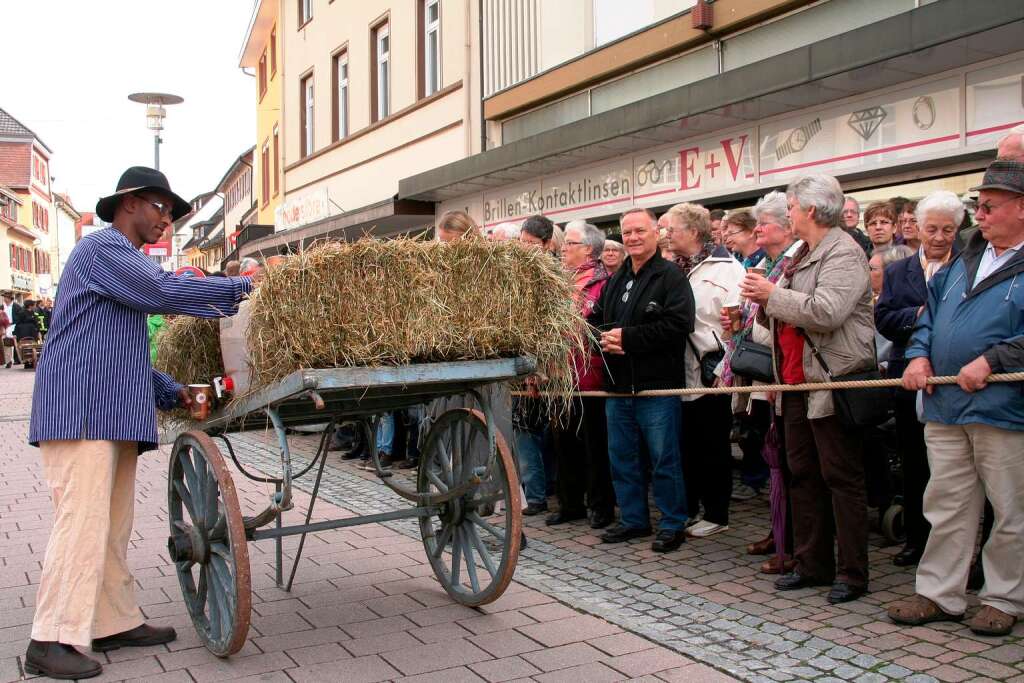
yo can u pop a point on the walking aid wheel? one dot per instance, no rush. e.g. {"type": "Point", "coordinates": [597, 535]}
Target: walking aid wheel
{"type": "Point", "coordinates": [473, 552]}
{"type": "Point", "coordinates": [892, 524]}
{"type": "Point", "coordinates": [207, 543]}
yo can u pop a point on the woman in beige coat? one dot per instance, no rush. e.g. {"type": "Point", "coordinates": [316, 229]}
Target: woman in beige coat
{"type": "Point", "coordinates": [824, 299]}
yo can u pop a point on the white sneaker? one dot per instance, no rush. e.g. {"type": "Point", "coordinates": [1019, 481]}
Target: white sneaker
{"type": "Point", "coordinates": [744, 492]}
{"type": "Point", "coordinates": [693, 521]}
{"type": "Point", "coordinates": [704, 529]}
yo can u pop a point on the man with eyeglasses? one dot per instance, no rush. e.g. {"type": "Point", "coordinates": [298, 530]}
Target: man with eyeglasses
{"type": "Point", "coordinates": [94, 411]}
{"type": "Point", "coordinates": [973, 326]}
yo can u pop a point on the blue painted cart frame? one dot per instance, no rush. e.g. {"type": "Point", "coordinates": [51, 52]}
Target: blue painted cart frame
{"type": "Point", "coordinates": [467, 497]}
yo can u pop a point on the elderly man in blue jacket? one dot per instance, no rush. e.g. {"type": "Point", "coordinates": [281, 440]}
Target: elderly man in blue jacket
{"type": "Point", "coordinates": [973, 326]}
{"type": "Point", "coordinates": [94, 411]}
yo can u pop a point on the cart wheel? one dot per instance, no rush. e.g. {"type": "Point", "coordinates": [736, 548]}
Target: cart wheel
{"type": "Point", "coordinates": [207, 543]}
{"type": "Point", "coordinates": [892, 523]}
{"type": "Point", "coordinates": [473, 555]}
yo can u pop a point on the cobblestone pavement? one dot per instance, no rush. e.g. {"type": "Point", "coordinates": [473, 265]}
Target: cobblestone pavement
{"type": "Point", "coordinates": [365, 606]}
{"type": "Point", "coordinates": [708, 600]}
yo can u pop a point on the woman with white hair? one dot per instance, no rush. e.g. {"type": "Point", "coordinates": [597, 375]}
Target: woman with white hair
{"type": "Point", "coordinates": [775, 239]}
{"type": "Point", "coordinates": [903, 298]}
{"type": "Point", "coordinates": [714, 276]}
{"type": "Point", "coordinates": [819, 314]}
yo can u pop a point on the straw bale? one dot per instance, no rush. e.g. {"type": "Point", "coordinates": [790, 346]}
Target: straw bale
{"type": "Point", "coordinates": [401, 301]}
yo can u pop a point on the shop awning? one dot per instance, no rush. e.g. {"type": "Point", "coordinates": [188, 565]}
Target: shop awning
{"type": "Point", "coordinates": [926, 41]}
{"type": "Point", "coordinates": [383, 219]}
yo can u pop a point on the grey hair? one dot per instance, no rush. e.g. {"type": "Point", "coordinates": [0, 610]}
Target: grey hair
{"type": "Point", "coordinates": [821, 192]}
{"type": "Point", "coordinates": [849, 198]}
{"type": "Point", "coordinates": [693, 217]}
{"type": "Point", "coordinates": [247, 263]}
{"type": "Point", "coordinates": [895, 253]}
{"type": "Point", "coordinates": [616, 245]}
{"type": "Point", "coordinates": [941, 201]}
{"type": "Point", "coordinates": [773, 204]}
{"type": "Point", "coordinates": [508, 230]}
{"type": "Point", "coordinates": [589, 235]}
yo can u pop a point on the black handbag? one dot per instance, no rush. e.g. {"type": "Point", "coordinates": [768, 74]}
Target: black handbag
{"type": "Point", "coordinates": [857, 408]}
{"type": "Point", "coordinates": [752, 361]}
{"type": "Point", "coordinates": [708, 362]}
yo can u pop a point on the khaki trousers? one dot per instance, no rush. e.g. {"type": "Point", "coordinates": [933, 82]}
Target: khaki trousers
{"type": "Point", "coordinates": [967, 463]}
{"type": "Point", "coordinates": [86, 590]}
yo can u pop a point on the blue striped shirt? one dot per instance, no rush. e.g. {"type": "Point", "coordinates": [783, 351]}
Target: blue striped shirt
{"type": "Point", "coordinates": [95, 380]}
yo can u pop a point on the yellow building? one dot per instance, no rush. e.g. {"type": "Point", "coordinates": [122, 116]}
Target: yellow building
{"type": "Point", "coordinates": [261, 52]}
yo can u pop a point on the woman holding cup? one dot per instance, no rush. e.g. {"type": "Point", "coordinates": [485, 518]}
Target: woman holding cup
{"type": "Point", "coordinates": [775, 240]}
{"type": "Point", "coordinates": [819, 313]}
{"type": "Point", "coordinates": [707, 420]}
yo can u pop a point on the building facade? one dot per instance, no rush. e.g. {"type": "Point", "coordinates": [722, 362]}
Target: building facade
{"type": "Point", "coordinates": [262, 52]}
{"type": "Point", "coordinates": [65, 235]}
{"type": "Point", "coordinates": [719, 103]}
{"type": "Point", "coordinates": [25, 169]}
{"type": "Point", "coordinates": [371, 92]}
{"type": "Point", "coordinates": [240, 202]}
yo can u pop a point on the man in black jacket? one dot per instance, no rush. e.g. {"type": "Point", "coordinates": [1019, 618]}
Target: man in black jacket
{"type": "Point", "coordinates": [646, 312]}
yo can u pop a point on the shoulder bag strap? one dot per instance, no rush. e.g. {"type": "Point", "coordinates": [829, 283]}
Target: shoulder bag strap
{"type": "Point", "coordinates": [817, 354]}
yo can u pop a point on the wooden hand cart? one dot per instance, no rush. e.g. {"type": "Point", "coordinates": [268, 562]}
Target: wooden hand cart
{"type": "Point", "coordinates": [467, 497]}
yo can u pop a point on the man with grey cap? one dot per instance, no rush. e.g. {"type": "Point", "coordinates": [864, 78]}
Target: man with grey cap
{"type": "Point", "coordinates": [973, 326]}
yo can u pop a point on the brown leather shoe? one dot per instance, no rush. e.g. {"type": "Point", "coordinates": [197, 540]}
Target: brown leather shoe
{"type": "Point", "coordinates": [140, 636]}
{"type": "Point", "coordinates": [765, 546]}
{"type": "Point", "coordinates": [772, 566]}
{"type": "Point", "coordinates": [58, 660]}
{"type": "Point", "coordinates": [991, 621]}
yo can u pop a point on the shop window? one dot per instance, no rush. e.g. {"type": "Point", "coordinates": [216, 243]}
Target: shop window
{"type": "Point", "coordinates": [381, 73]}
{"type": "Point", "coordinates": [429, 17]}
{"type": "Point", "coordinates": [306, 115]}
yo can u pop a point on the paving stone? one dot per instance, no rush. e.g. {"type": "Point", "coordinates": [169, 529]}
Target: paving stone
{"type": "Point", "coordinates": [563, 656]}
{"type": "Point", "coordinates": [435, 656]}
{"type": "Point", "coordinates": [506, 669]}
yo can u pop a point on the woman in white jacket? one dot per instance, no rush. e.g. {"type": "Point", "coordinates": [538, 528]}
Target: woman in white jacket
{"type": "Point", "coordinates": [707, 420]}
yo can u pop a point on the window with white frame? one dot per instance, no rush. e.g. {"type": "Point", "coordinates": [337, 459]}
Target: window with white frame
{"type": "Point", "coordinates": [305, 11]}
{"type": "Point", "coordinates": [341, 103]}
{"type": "Point", "coordinates": [307, 115]}
{"type": "Point", "coordinates": [431, 46]}
{"type": "Point", "coordinates": [382, 76]}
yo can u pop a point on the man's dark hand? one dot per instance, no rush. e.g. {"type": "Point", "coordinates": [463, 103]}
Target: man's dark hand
{"type": "Point", "coordinates": [184, 398]}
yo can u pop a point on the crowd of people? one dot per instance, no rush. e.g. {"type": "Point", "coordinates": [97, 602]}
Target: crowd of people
{"type": "Point", "coordinates": [25, 322]}
{"type": "Point", "coordinates": [794, 292]}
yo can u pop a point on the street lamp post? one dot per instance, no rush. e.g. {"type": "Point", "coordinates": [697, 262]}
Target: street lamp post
{"type": "Point", "coordinates": [155, 113]}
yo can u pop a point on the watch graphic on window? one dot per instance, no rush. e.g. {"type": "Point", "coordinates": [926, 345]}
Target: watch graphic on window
{"type": "Point", "coordinates": [798, 139]}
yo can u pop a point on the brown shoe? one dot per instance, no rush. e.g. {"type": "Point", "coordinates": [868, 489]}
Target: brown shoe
{"type": "Point", "coordinates": [58, 660]}
{"type": "Point", "coordinates": [917, 610]}
{"type": "Point", "coordinates": [140, 636]}
{"type": "Point", "coordinates": [991, 621]}
{"type": "Point", "coordinates": [773, 566]}
{"type": "Point", "coordinates": [766, 546]}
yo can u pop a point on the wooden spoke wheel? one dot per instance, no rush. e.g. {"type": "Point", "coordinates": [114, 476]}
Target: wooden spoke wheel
{"type": "Point", "coordinates": [207, 543]}
{"type": "Point", "coordinates": [472, 549]}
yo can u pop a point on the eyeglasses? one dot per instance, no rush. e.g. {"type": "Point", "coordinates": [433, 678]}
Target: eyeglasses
{"type": "Point", "coordinates": [987, 207]}
{"type": "Point", "coordinates": [162, 207]}
{"type": "Point", "coordinates": [732, 233]}
{"type": "Point", "coordinates": [568, 243]}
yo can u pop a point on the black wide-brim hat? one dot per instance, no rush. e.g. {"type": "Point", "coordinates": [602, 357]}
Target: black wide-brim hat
{"type": "Point", "coordinates": [138, 179]}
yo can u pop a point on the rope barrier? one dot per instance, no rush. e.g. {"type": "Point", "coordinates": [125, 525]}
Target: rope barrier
{"type": "Point", "coordinates": [761, 388]}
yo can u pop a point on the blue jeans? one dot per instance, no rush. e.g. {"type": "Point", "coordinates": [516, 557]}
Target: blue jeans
{"type": "Point", "coordinates": [633, 422]}
{"type": "Point", "coordinates": [530, 452]}
{"type": "Point", "coordinates": [386, 434]}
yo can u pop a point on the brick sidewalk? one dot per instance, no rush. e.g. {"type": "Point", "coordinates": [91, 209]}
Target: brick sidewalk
{"type": "Point", "coordinates": [365, 606]}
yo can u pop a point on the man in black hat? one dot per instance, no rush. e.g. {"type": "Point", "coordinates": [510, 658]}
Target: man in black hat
{"type": "Point", "coordinates": [972, 327]}
{"type": "Point", "coordinates": [94, 411]}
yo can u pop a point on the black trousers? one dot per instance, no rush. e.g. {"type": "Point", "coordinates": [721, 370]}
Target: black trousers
{"type": "Point", "coordinates": [707, 456]}
{"type": "Point", "coordinates": [914, 456]}
{"type": "Point", "coordinates": [581, 455]}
